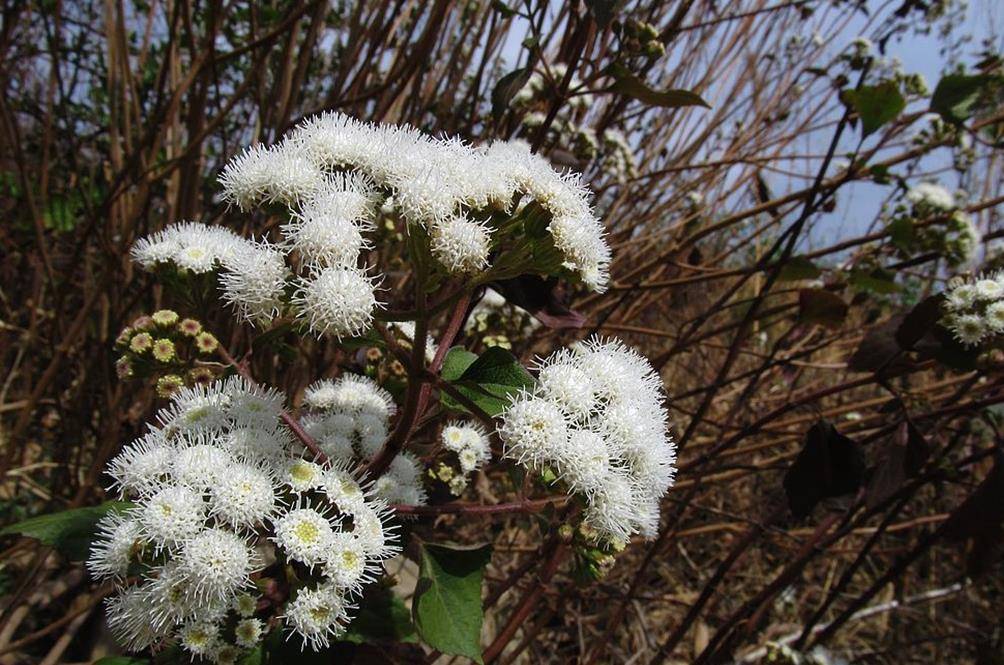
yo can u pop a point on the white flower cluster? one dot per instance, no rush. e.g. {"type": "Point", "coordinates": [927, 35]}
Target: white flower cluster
{"type": "Point", "coordinates": [253, 273]}
{"type": "Point", "coordinates": [443, 185]}
{"type": "Point", "coordinates": [350, 419]}
{"type": "Point", "coordinates": [596, 420]}
{"type": "Point", "coordinates": [469, 442]}
{"type": "Point", "coordinates": [930, 197]}
{"type": "Point", "coordinates": [975, 308]}
{"type": "Point", "coordinates": [219, 497]}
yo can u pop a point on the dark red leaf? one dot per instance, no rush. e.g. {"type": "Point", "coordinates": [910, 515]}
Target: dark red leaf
{"type": "Point", "coordinates": [830, 464]}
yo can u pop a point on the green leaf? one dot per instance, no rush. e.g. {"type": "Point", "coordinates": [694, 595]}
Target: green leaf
{"type": "Point", "coordinates": [876, 281]}
{"type": "Point", "coordinates": [876, 105]}
{"type": "Point", "coordinates": [490, 381]}
{"type": "Point", "coordinates": [630, 85]}
{"type": "Point", "coordinates": [447, 604]}
{"type": "Point", "coordinates": [822, 307]}
{"type": "Point", "coordinates": [506, 89]}
{"type": "Point", "coordinates": [382, 617]}
{"type": "Point", "coordinates": [798, 268]}
{"type": "Point", "coordinates": [70, 531]}
{"type": "Point", "coordinates": [956, 95]}
{"type": "Point", "coordinates": [457, 360]}
{"type": "Point", "coordinates": [254, 657]}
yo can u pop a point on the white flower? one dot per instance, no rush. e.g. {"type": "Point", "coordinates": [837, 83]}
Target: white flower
{"type": "Point", "coordinates": [317, 615]}
{"type": "Point", "coordinates": [129, 620]}
{"type": "Point", "coordinates": [962, 296]}
{"type": "Point", "coordinates": [585, 461]}
{"type": "Point", "coordinates": [346, 565]}
{"type": "Point", "coordinates": [931, 197]}
{"type": "Point", "coordinates": [568, 386]}
{"type": "Point", "coordinates": [201, 463]}
{"type": "Point", "coordinates": [303, 475]}
{"type": "Point", "coordinates": [216, 563]}
{"type": "Point", "coordinates": [242, 497]}
{"type": "Point", "coordinates": [253, 282]}
{"type": "Point", "coordinates": [336, 301]}
{"type": "Point", "coordinates": [118, 543]}
{"type": "Point", "coordinates": [171, 516]}
{"type": "Point", "coordinates": [248, 633]}
{"type": "Point", "coordinates": [200, 637]}
{"type": "Point", "coordinates": [256, 444]}
{"type": "Point", "coordinates": [371, 432]}
{"type": "Point", "coordinates": [461, 245]}
{"type": "Point", "coordinates": [343, 490]}
{"type": "Point", "coordinates": [533, 428]}
{"type": "Point", "coordinates": [372, 532]}
{"type": "Point", "coordinates": [277, 174]}
{"type": "Point", "coordinates": [250, 404]}
{"type": "Point", "coordinates": [612, 509]}
{"type": "Point", "coordinates": [597, 420]}
{"type": "Point", "coordinates": [406, 468]}
{"type": "Point", "coordinates": [989, 288]}
{"type": "Point", "coordinates": [245, 604]}
{"type": "Point", "coordinates": [995, 317]}
{"type": "Point", "coordinates": [305, 535]}
{"type": "Point", "coordinates": [142, 465]}
{"type": "Point", "coordinates": [191, 247]}
{"type": "Point", "coordinates": [470, 443]}
{"type": "Point", "coordinates": [969, 329]}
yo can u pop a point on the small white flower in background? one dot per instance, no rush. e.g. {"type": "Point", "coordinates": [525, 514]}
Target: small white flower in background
{"type": "Point", "coordinates": [607, 442]}
{"type": "Point", "coordinates": [471, 445]}
{"type": "Point", "coordinates": [928, 197]}
{"type": "Point", "coordinates": [974, 309]}
{"type": "Point", "coordinates": [217, 493]}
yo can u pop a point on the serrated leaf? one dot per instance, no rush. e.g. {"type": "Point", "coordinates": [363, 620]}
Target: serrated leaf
{"type": "Point", "coordinates": [69, 531]}
{"type": "Point", "coordinates": [822, 307]}
{"type": "Point", "coordinates": [447, 604]}
{"type": "Point", "coordinates": [956, 95]}
{"type": "Point", "coordinates": [506, 89]}
{"type": "Point", "coordinates": [382, 617]}
{"type": "Point", "coordinates": [876, 105]}
{"type": "Point", "coordinates": [630, 85]}
{"type": "Point", "coordinates": [798, 268]}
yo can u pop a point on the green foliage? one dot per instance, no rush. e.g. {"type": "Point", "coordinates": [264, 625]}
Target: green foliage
{"type": "Point", "coordinates": [798, 268]}
{"type": "Point", "coordinates": [626, 83]}
{"type": "Point", "coordinates": [70, 531]}
{"type": "Point", "coordinates": [447, 605]}
{"type": "Point", "coordinates": [876, 105]}
{"type": "Point", "coordinates": [489, 381]}
{"type": "Point", "coordinates": [956, 96]}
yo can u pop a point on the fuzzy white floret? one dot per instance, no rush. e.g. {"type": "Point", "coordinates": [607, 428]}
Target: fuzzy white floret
{"type": "Point", "coordinates": [253, 282]}
{"type": "Point", "coordinates": [171, 516]}
{"type": "Point", "coordinates": [216, 563]}
{"type": "Point", "coordinates": [119, 542]}
{"type": "Point", "coordinates": [243, 497]}
{"type": "Point", "coordinates": [142, 465]}
{"type": "Point", "coordinates": [317, 615]}
{"type": "Point", "coordinates": [461, 245]}
{"type": "Point", "coordinates": [305, 535]}
{"type": "Point", "coordinates": [336, 301]}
